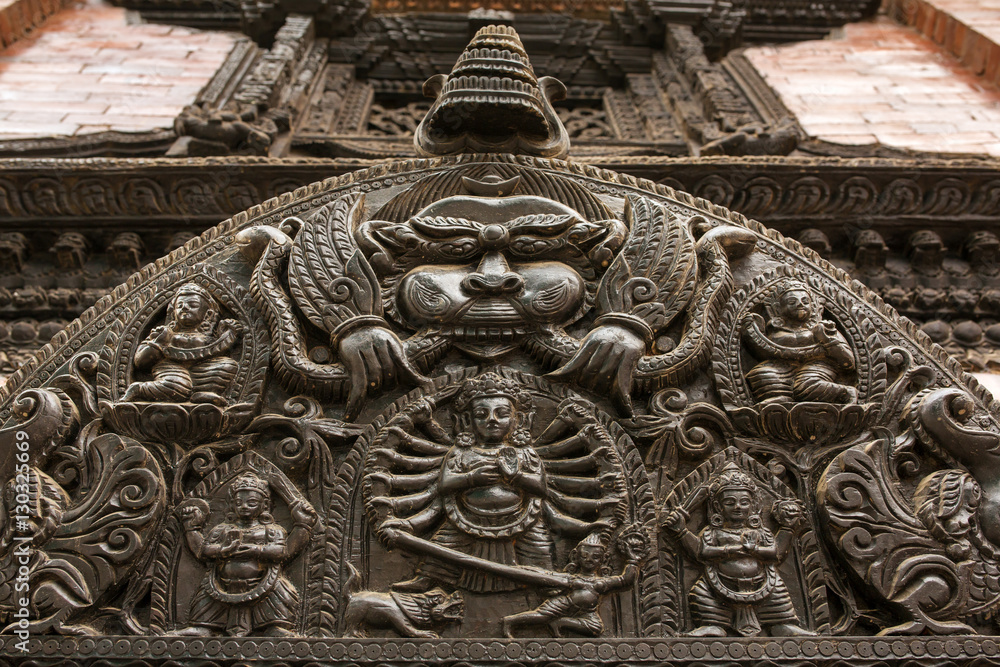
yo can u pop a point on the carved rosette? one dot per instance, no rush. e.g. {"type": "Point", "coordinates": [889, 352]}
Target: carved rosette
{"type": "Point", "coordinates": [790, 419]}
{"type": "Point", "coordinates": [181, 421]}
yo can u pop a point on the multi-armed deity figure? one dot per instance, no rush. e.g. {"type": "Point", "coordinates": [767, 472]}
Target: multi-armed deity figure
{"type": "Point", "coordinates": [803, 355]}
{"type": "Point", "coordinates": [492, 484]}
{"type": "Point", "coordinates": [740, 589]}
{"type": "Point", "coordinates": [244, 590]}
{"type": "Point", "coordinates": [188, 355]}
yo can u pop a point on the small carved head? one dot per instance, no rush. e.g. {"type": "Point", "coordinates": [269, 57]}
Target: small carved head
{"type": "Point", "coordinates": [925, 246]}
{"type": "Point", "coordinates": [193, 307]}
{"type": "Point", "coordinates": [250, 498]}
{"type": "Point", "coordinates": [788, 513]}
{"type": "Point", "coordinates": [492, 411]}
{"type": "Point", "coordinates": [591, 555]}
{"type": "Point", "coordinates": [126, 250]}
{"type": "Point", "coordinates": [733, 498]}
{"type": "Point", "coordinates": [792, 304]}
{"type": "Point", "coordinates": [13, 251]}
{"type": "Point", "coordinates": [869, 250]}
{"type": "Point", "coordinates": [71, 250]}
{"type": "Point", "coordinates": [947, 503]}
{"type": "Point", "coordinates": [982, 250]}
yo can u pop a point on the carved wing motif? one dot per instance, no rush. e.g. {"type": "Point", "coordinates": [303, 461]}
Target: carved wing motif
{"type": "Point", "coordinates": [882, 539]}
{"type": "Point", "coordinates": [654, 275]}
{"type": "Point", "coordinates": [329, 276]}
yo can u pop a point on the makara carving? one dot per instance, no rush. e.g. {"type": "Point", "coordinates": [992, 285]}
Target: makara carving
{"type": "Point", "coordinates": [496, 396]}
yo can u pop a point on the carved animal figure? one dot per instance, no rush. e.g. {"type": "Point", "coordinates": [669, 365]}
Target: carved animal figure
{"type": "Point", "coordinates": [409, 614]}
{"type": "Point", "coordinates": [935, 558]}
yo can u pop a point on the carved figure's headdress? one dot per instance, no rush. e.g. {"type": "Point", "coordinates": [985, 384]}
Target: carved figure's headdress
{"type": "Point", "coordinates": [491, 385]}
{"type": "Point", "coordinates": [731, 477]}
{"type": "Point", "coordinates": [922, 239]}
{"type": "Point", "coordinates": [250, 482]}
{"type": "Point", "coordinates": [493, 102]}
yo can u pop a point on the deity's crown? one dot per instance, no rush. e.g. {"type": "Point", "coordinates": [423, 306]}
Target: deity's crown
{"type": "Point", "coordinates": [193, 288]}
{"type": "Point", "coordinates": [595, 539]}
{"type": "Point", "coordinates": [491, 385]}
{"type": "Point", "coordinates": [249, 482]}
{"type": "Point", "coordinates": [732, 478]}
{"type": "Point", "coordinates": [788, 285]}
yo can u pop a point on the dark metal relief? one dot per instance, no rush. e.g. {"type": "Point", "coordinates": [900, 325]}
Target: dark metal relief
{"type": "Point", "coordinates": [494, 408]}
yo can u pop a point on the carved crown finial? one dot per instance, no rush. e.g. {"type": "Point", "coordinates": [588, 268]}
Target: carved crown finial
{"type": "Point", "coordinates": [492, 102]}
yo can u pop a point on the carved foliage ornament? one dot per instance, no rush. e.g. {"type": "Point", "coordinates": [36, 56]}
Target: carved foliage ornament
{"type": "Point", "coordinates": [494, 396]}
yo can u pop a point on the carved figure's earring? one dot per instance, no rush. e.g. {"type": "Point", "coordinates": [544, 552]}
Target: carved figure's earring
{"type": "Point", "coordinates": [715, 519]}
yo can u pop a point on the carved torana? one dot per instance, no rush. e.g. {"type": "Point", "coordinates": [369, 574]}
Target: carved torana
{"type": "Point", "coordinates": [492, 408]}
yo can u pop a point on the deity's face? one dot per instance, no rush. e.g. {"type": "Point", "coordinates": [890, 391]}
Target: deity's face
{"type": "Point", "coordinates": [492, 419]}
{"type": "Point", "coordinates": [248, 504]}
{"type": "Point", "coordinates": [492, 268]}
{"type": "Point", "coordinates": [736, 505]}
{"type": "Point", "coordinates": [189, 310]}
{"type": "Point", "coordinates": [590, 556]}
{"type": "Point", "coordinates": [960, 523]}
{"type": "Point", "coordinates": [796, 305]}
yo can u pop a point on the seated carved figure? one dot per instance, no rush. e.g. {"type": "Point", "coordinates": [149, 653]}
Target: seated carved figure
{"type": "Point", "coordinates": [803, 355]}
{"type": "Point", "coordinates": [740, 589]}
{"type": "Point", "coordinates": [187, 356]}
{"type": "Point", "coordinates": [244, 590]}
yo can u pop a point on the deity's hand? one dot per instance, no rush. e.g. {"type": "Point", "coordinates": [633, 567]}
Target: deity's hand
{"type": "Point", "coordinates": [392, 528]}
{"type": "Point", "coordinates": [675, 521]}
{"type": "Point", "coordinates": [789, 514]}
{"type": "Point", "coordinates": [229, 548]}
{"type": "Point", "coordinates": [825, 332]}
{"type": "Point", "coordinates": [374, 357]}
{"type": "Point", "coordinates": [484, 476]}
{"type": "Point", "coordinates": [164, 337]}
{"type": "Point", "coordinates": [575, 413]}
{"type": "Point", "coordinates": [749, 540]}
{"type": "Point", "coordinates": [606, 362]}
{"type": "Point", "coordinates": [422, 411]}
{"type": "Point", "coordinates": [248, 551]}
{"type": "Point", "coordinates": [193, 513]}
{"type": "Point", "coordinates": [303, 514]}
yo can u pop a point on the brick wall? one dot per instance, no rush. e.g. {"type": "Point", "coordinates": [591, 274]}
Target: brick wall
{"type": "Point", "coordinates": [88, 70]}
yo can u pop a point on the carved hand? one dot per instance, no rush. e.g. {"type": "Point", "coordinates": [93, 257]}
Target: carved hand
{"type": "Point", "coordinates": [576, 414]}
{"type": "Point", "coordinates": [229, 549]}
{"type": "Point", "coordinates": [824, 331]}
{"type": "Point", "coordinates": [606, 362]}
{"type": "Point", "coordinates": [374, 357]}
{"type": "Point", "coordinates": [303, 514]}
{"type": "Point", "coordinates": [675, 521]}
{"type": "Point", "coordinates": [485, 475]}
{"type": "Point", "coordinates": [193, 513]}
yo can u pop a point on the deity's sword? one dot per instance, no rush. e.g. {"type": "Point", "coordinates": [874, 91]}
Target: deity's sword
{"type": "Point", "coordinates": [525, 575]}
